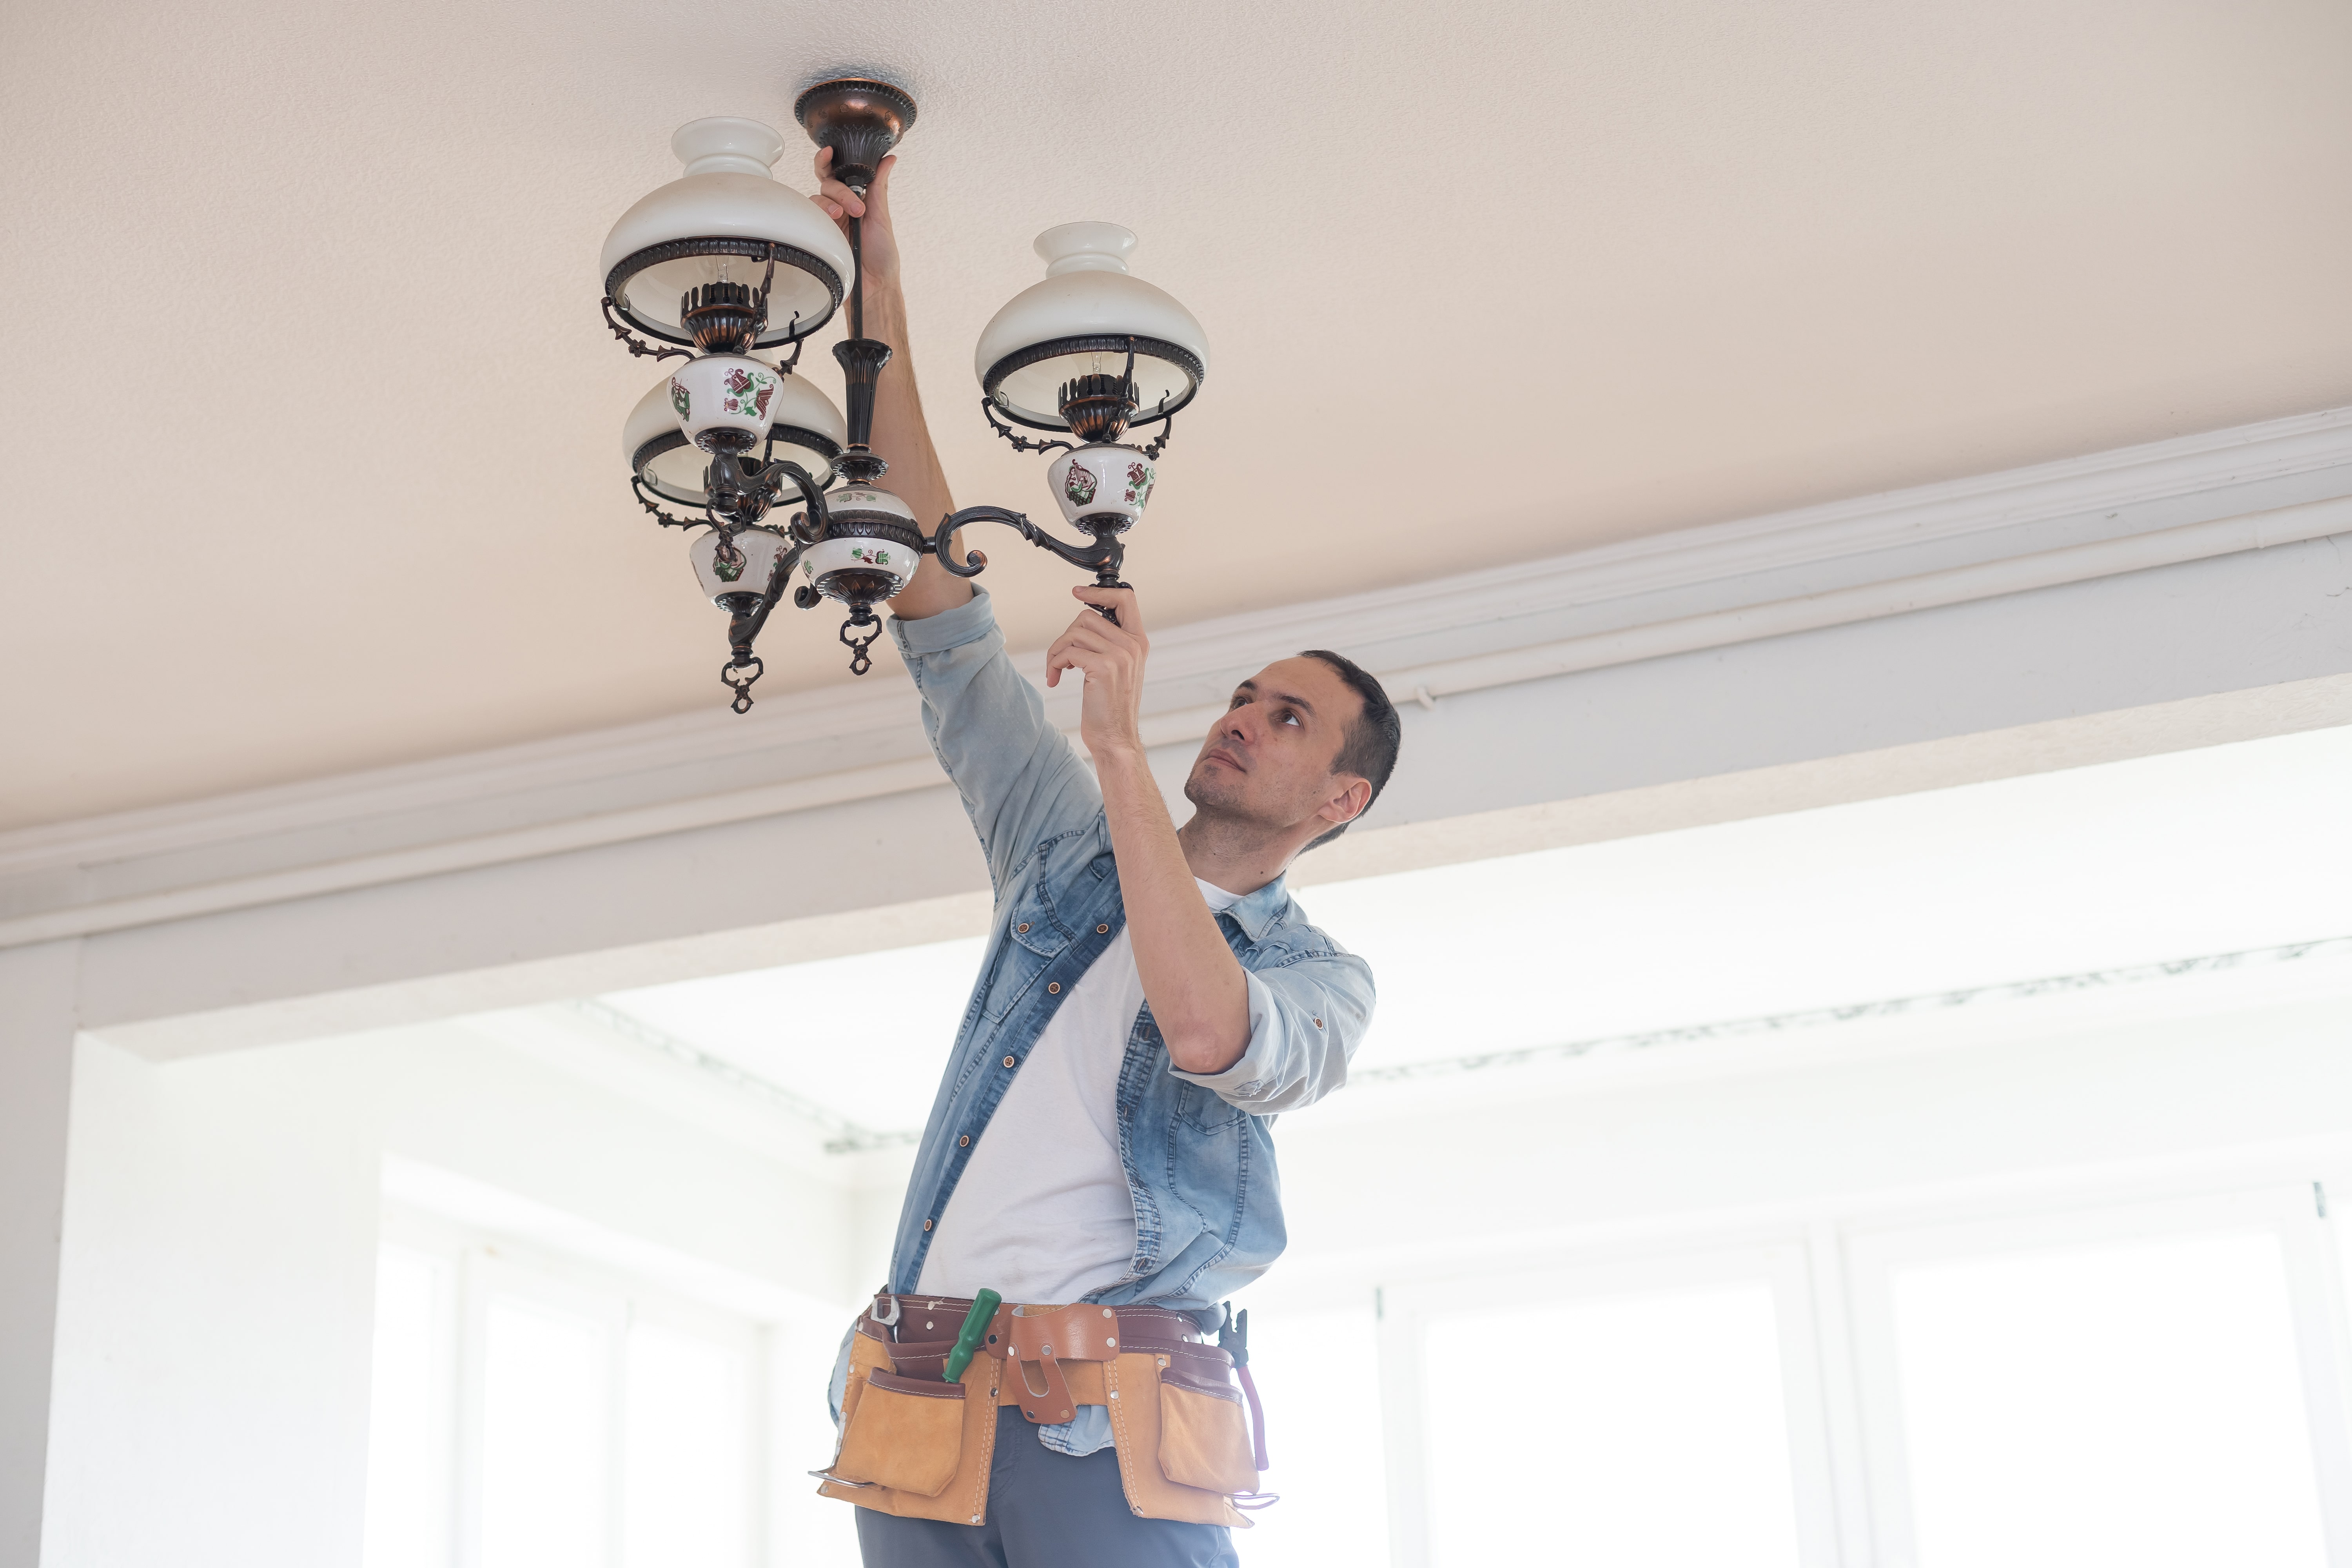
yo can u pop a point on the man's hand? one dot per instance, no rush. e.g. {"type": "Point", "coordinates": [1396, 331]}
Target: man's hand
{"type": "Point", "coordinates": [1110, 657]}
{"type": "Point", "coordinates": [877, 242]}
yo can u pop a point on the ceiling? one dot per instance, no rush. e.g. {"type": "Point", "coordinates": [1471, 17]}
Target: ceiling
{"type": "Point", "coordinates": [321, 469]}
{"type": "Point", "coordinates": [2089, 875]}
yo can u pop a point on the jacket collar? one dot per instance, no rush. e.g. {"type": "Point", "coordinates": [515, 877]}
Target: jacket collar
{"type": "Point", "coordinates": [1258, 912]}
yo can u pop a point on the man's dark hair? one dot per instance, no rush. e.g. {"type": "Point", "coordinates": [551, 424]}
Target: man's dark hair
{"type": "Point", "coordinates": [1370, 747]}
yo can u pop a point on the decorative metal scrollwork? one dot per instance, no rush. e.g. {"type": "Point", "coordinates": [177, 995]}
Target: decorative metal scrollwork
{"type": "Point", "coordinates": [637, 345]}
{"type": "Point", "coordinates": [1020, 443]}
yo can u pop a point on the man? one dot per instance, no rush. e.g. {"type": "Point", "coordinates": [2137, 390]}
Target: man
{"type": "Point", "coordinates": [1151, 998]}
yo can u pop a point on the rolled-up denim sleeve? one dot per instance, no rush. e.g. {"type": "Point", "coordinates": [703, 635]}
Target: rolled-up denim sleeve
{"type": "Point", "coordinates": [1306, 1018]}
{"type": "Point", "coordinates": [1020, 779]}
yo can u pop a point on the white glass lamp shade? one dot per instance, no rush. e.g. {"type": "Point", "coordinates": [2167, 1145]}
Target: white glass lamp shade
{"type": "Point", "coordinates": [1077, 322]}
{"type": "Point", "coordinates": [804, 428]}
{"type": "Point", "coordinates": [741, 568]}
{"type": "Point", "coordinates": [722, 217]}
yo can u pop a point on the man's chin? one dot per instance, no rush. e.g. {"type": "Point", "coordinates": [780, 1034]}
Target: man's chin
{"type": "Point", "coordinates": [1211, 787]}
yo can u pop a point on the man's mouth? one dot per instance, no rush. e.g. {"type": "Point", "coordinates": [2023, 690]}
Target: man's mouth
{"type": "Point", "coordinates": [1219, 754]}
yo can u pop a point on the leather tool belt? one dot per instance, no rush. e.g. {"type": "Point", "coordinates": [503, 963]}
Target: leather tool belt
{"type": "Point", "coordinates": [915, 1446]}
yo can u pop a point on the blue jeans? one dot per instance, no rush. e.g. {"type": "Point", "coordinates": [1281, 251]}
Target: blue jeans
{"type": "Point", "coordinates": [1045, 1511]}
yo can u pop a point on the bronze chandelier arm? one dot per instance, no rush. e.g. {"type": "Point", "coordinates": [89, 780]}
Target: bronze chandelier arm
{"type": "Point", "coordinates": [743, 630]}
{"type": "Point", "coordinates": [1101, 556]}
{"type": "Point", "coordinates": [811, 528]}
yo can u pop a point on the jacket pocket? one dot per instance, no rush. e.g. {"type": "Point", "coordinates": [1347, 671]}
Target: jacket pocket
{"type": "Point", "coordinates": [1033, 937]}
{"type": "Point", "coordinates": [1206, 1111]}
{"type": "Point", "coordinates": [1204, 1438]}
{"type": "Point", "coordinates": [906, 1434]}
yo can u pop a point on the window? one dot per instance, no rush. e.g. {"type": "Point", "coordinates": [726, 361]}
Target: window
{"type": "Point", "coordinates": [409, 1416]}
{"type": "Point", "coordinates": [546, 1417]}
{"type": "Point", "coordinates": [2138, 1404]}
{"type": "Point", "coordinates": [1318, 1372]}
{"type": "Point", "coordinates": [1652, 1429]}
{"type": "Point", "coordinates": [1651, 1413]}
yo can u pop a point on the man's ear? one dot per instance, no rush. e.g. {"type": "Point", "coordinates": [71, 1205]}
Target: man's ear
{"type": "Point", "coordinates": [1348, 804]}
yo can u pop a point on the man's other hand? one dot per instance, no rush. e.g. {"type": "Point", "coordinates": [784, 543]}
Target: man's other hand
{"type": "Point", "coordinates": [878, 244]}
{"type": "Point", "coordinates": [1110, 657]}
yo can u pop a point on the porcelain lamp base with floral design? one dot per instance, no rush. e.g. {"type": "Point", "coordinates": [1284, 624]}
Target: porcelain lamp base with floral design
{"type": "Point", "coordinates": [739, 567]}
{"type": "Point", "coordinates": [724, 403]}
{"type": "Point", "coordinates": [1103, 480]}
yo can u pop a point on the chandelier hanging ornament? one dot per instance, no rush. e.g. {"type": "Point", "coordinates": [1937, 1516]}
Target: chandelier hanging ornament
{"type": "Point", "coordinates": [754, 269]}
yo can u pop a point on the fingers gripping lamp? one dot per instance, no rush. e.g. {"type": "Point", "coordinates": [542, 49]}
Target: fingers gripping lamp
{"type": "Point", "coordinates": [755, 268]}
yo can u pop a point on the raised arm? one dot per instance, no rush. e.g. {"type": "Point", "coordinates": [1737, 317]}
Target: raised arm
{"type": "Point", "coordinates": [901, 436]}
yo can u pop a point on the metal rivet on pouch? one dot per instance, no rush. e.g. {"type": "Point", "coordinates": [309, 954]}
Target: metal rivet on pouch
{"type": "Point", "coordinates": [975, 1519]}
{"type": "Point", "coordinates": [1112, 1343]}
{"type": "Point", "coordinates": [1114, 1393]}
{"type": "Point", "coordinates": [1108, 1313]}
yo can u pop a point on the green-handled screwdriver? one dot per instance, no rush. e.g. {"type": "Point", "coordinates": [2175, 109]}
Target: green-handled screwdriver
{"type": "Point", "coordinates": [975, 1329]}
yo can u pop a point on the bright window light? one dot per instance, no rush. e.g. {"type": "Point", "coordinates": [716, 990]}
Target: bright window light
{"type": "Point", "coordinates": [408, 1414]}
{"type": "Point", "coordinates": [687, 1503]}
{"type": "Point", "coordinates": [1628, 1432]}
{"type": "Point", "coordinates": [1323, 1438]}
{"type": "Point", "coordinates": [544, 1435]}
{"type": "Point", "coordinates": [2134, 1404]}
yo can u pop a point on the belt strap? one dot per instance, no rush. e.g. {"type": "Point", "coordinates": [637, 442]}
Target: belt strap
{"type": "Point", "coordinates": [1034, 1342]}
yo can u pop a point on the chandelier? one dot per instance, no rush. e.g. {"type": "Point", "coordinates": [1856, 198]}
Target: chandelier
{"type": "Point", "coordinates": [731, 272]}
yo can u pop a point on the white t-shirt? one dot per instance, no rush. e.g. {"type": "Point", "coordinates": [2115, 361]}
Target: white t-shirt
{"type": "Point", "coordinates": [1042, 1213]}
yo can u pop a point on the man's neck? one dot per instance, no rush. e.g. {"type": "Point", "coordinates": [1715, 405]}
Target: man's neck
{"type": "Point", "coordinates": [1238, 857]}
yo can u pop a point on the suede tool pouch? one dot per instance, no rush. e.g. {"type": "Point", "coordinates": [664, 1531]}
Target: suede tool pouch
{"type": "Point", "coordinates": [1204, 1439]}
{"type": "Point", "coordinates": [906, 1434]}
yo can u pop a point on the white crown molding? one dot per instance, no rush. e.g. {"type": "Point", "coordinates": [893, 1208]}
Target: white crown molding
{"type": "Point", "coordinates": [2188, 499]}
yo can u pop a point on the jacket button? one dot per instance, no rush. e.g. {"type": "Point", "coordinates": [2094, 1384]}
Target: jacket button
{"type": "Point", "coordinates": [964, 1142]}
{"type": "Point", "coordinates": [1318, 1023]}
{"type": "Point", "coordinates": [1023, 928]}
{"type": "Point", "coordinates": [1053, 988]}
{"type": "Point", "coordinates": [1008, 1062]}
{"type": "Point", "coordinates": [1102, 931]}
{"type": "Point", "coordinates": [927, 1225]}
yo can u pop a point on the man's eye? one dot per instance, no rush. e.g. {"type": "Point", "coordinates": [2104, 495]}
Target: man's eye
{"type": "Point", "coordinates": [1290, 718]}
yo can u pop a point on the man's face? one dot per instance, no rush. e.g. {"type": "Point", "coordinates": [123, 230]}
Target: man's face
{"type": "Point", "coordinates": [1269, 759]}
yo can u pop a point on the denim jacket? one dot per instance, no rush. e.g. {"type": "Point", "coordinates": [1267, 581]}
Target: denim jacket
{"type": "Point", "coordinates": [1198, 1147]}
